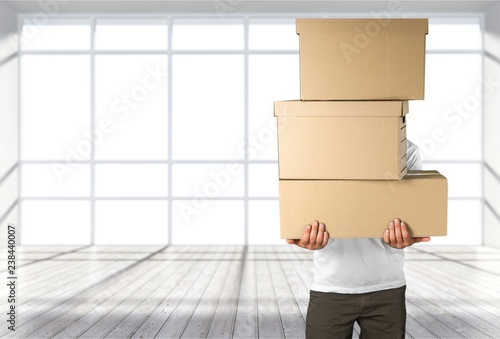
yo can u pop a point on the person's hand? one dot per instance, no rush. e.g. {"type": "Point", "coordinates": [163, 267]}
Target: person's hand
{"type": "Point", "coordinates": [315, 237]}
{"type": "Point", "coordinates": [397, 235]}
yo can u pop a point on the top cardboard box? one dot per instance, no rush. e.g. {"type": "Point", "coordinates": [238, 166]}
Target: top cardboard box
{"type": "Point", "coordinates": [362, 59]}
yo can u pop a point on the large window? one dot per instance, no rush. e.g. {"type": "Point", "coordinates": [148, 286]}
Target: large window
{"type": "Point", "coordinates": [447, 125]}
{"type": "Point", "coordinates": [160, 130]}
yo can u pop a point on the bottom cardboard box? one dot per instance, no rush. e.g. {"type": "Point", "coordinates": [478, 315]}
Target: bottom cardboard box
{"type": "Point", "coordinates": [363, 208]}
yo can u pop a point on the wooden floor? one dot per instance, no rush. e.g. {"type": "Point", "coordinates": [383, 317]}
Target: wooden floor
{"type": "Point", "coordinates": [231, 292]}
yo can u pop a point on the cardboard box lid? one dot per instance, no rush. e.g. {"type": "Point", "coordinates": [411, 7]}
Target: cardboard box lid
{"type": "Point", "coordinates": [298, 108]}
{"type": "Point", "coordinates": [367, 26]}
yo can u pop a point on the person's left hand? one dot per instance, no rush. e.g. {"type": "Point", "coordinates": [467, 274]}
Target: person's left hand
{"type": "Point", "coordinates": [397, 235]}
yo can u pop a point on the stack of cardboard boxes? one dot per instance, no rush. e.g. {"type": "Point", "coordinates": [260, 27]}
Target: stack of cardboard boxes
{"type": "Point", "coordinates": [342, 148]}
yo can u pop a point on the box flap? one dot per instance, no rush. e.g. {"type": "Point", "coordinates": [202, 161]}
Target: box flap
{"type": "Point", "coordinates": [367, 26]}
{"type": "Point", "coordinates": [388, 108]}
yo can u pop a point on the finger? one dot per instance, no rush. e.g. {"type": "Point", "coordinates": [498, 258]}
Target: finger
{"type": "Point", "coordinates": [392, 234]}
{"type": "Point", "coordinates": [321, 234]}
{"type": "Point", "coordinates": [397, 231]}
{"type": "Point", "coordinates": [326, 236]}
{"type": "Point", "coordinates": [314, 233]}
{"type": "Point", "coordinates": [306, 235]}
{"type": "Point", "coordinates": [422, 239]}
{"type": "Point", "coordinates": [404, 232]}
{"type": "Point", "coordinates": [292, 241]}
{"type": "Point", "coordinates": [386, 236]}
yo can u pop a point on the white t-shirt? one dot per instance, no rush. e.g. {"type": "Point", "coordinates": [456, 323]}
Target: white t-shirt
{"type": "Point", "coordinates": [361, 265]}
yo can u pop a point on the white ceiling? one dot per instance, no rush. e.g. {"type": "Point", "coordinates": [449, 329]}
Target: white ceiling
{"type": "Point", "coordinates": [248, 6]}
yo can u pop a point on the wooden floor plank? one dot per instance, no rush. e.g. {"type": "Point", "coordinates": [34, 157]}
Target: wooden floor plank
{"type": "Point", "coordinates": [414, 329]}
{"type": "Point", "coordinates": [103, 294]}
{"type": "Point", "coordinates": [201, 319]}
{"type": "Point", "coordinates": [125, 303]}
{"type": "Point", "coordinates": [177, 322]}
{"type": "Point", "coordinates": [161, 315]}
{"type": "Point", "coordinates": [246, 321]}
{"type": "Point", "coordinates": [60, 321]}
{"type": "Point", "coordinates": [104, 299]}
{"type": "Point", "coordinates": [467, 312]}
{"type": "Point", "coordinates": [299, 272]}
{"type": "Point", "coordinates": [270, 324]}
{"type": "Point", "coordinates": [292, 320]}
{"type": "Point", "coordinates": [432, 323]}
{"type": "Point", "coordinates": [51, 276]}
{"type": "Point", "coordinates": [465, 291]}
{"type": "Point", "coordinates": [470, 275]}
{"type": "Point", "coordinates": [44, 289]}
{"type": "Point", "coordinates": [435, 310]}
{"type": "Point", "coordinates": [299, 290]}
{"type": "Point", "coordinates": [222, 325]}
{"type": "Point", "coordinates": [33, 320]}
{"type": "Point", "coordinates": [159, 286]}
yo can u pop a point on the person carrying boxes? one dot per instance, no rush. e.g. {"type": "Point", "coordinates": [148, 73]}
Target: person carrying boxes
{"type": "Point", "coordinates": [344, 159]}
{"type": "Point", "coordinates": [359, 279]}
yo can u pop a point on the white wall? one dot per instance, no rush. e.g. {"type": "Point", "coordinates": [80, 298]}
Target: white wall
{"type": "Point", "coordinates": [492, 128]}
{"type": "Point", "coordinates": [9, 113]}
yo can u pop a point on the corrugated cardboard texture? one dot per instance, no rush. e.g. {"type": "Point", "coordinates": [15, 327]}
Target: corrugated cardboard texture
{"type": "Point", "coordinates": [336, 140]}
{"type": "Point", "coordinates": [362, 209]}
{"type": "Point", "coordinates": [362, 59]}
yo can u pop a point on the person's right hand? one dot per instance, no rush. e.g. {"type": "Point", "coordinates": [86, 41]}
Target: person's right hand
{"type": "Point", "coordinates": [315, 237]}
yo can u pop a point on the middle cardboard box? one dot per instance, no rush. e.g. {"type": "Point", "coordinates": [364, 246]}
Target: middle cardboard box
{"type": "Point", "coordinates": [342, 139]}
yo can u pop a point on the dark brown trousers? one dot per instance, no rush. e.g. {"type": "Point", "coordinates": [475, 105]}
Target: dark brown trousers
{"type": "Point", "coordinates": [380, 315]}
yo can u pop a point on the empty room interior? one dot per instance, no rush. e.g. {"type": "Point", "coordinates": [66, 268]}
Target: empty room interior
{"type": "Point", "coordinates": [143, 172]}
